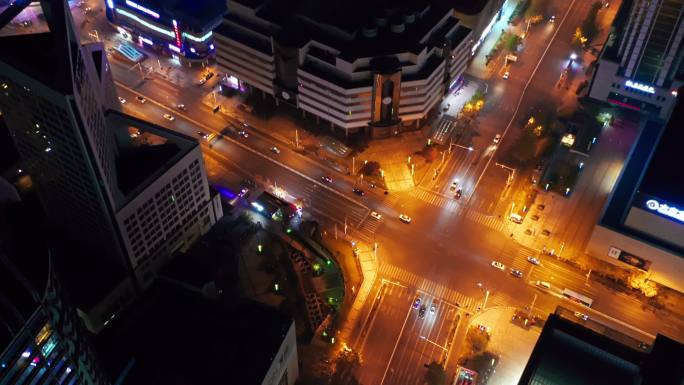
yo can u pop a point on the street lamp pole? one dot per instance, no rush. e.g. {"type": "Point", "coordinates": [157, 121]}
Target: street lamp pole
{"type": "Point", "coordinates": [484, 305]}
{"type": "Point", "coordinates": [296, 138]}
{"type": "Point", "coordinates": [529, 312]}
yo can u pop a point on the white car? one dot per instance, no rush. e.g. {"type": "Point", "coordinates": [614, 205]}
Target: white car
{"type": "Point", "coordinates": [498, 265]}
{"type": "Point", "coordinates": [543, 285]}
{"type": "Point", "coordinates": [169, 117]}
{"type": "Point", "coordinates": [533, 260]}
{"type": "Point", "coordinates": [275, 150]}
{"type": "Point", "coordinates": [122, 100]}
{"type": "Point", "coordinates": [506, 75]}
{"type": "Point", "coordinates": [497, 138]}
{"type": "Point", "coordinates": [375, 215]}
{"type": "Point", "coordinates": [404, 218]}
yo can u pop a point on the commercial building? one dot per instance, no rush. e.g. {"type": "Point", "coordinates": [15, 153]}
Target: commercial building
{"type": "Point", "coordinates": [641, 66]}
{"type": "Point", "coordinates": [570, 353]}
{"type": "Point", "coordinates": [174, 335]}
{"type": "Point", "coordinates": [480, 16]}
{"type": "Point", "coordinates": [42, 340]}
{"type": "Point", "coordinates": [379, 71]}
{"type": "Point", "coordinates": [642, 225]}
{"type": "Point", "coordinates": [181, 29]}
{"type": "Point", "coordinates": [131, 192]}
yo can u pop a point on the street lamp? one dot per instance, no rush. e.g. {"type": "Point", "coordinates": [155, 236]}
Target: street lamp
{"type": "Point", "coordinates": [484, 289]}
{"type": "Point", "coordinates": [573, 56]}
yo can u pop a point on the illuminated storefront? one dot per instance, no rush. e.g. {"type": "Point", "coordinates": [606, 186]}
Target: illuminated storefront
{"type": "Point", "coordinates": [181, 30]}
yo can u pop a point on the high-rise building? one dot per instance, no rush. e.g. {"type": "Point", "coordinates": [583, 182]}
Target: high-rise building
{"type": "Point", "coordinates": [42, 340]}
{"type": "Point", "coordinates": [129, 191]}
{"type": "Point", "coordinates": [641, 66]}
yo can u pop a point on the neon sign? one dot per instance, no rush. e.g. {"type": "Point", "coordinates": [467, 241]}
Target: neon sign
{"type": "Point", "coordinates": [197, 39]}
{"type": "Point", "coordinates": [142, 9]}
{"type": "Point", "coordinates": [175, 30]}
{"type": "Point", "coordinates": [174, 48]}
{"type": "Point", "coordinates": [145, 23]}
{"type": "Point", "coordinates": [662, 208]}
{"type": "Point", "coordinates": [110, 4]}
{"type": "Point", "coordinates": [640, 87]}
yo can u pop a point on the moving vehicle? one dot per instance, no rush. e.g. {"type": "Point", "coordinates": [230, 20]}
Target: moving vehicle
{"type": "Point", "coordinates": [459, 192]}
{"type": "Point", "coordinates": [497, 138]}
{"type": "Point", "coordinates": [202, 134]}
{"type": "Point", "coordinates": [581, 316]}
{"type": "Point", "coordinates": [533, 260]}
{"type": "Point", "coordinates": [169, 117]}
{"type": "Point", "coordinates": [577, 297]}
{"type": "Point", "coordinates": [421, 311]}
{"type": "Point", "coordinates": [243, 134]}
{"type": "Point", "coordinates": [506, 75]}
{"type": "Point", "coordinates": [141, 99]}
{"type": "Point", "coordinates": [454, 185]}
{"type": "Point", "coordinates": [358, 191]}
{"type": "Point", "coordinates": [122, 100]}
{"type": "Point", "coordinates": [180, 106]}
{"type": "Point", "coordinates": [433, 308]}
{"type": "Point", "coordinates": [327, 179]}
{"type": "Point", "coordinates": [543, 285]}
{"type": "Point", "coordinates": [498, 265]}
{"type": "Point", "coordinates": [483, 328]}
{"type": "Point", "coordinates": [516, 218]}
{"type": "Point", "coordinates": [416, 303]}
{"type": "Point", "coordinates": [275, 150]}
{"type": "Point", "coordinates": [552, 19]}
{"type": "Point", "coordinates": [375, 215]}
{"type": "Point", "coordinates": [516, 273]}
{"type": "Point", "coordinates": [546, 232]}
{"type": "Point", "coordinates": [404, 218]}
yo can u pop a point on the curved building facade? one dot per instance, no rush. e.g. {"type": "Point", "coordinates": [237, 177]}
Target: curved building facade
{"type": "Point", "coordinates": [381, 71]}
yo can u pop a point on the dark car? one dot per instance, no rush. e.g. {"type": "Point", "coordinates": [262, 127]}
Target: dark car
{"type": "Point", "coordinates": [421, 311]}
{"type": "Point", "coordinates": [459, 192]}
{"type": "Point", "coordinates": [416, 303]}
{"type": "Point", "coordinates": [358, 191]}
{"type": "Point", "coordinates": [516, 273]}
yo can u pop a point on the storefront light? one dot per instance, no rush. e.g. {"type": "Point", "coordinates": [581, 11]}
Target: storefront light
{"type": "Point", "coordinates": [199, 39]}
{"type": "Point", "coordinates": [145, 23]}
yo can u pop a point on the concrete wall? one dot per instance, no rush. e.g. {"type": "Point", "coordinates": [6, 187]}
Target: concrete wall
{"type": "Point", "coordinates": [666, 268]}
{"type": "Point", "coordinates": [286, 361]}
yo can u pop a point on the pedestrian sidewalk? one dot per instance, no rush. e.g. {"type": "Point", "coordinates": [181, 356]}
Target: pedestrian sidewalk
{"type": "Point", "coordinates": [369, 269]}
{"type": "Point", "coordinates": [511, 343]}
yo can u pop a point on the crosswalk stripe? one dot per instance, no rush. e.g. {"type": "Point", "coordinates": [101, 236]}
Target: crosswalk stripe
{"type": "Point", "coordinates": [486, 220]}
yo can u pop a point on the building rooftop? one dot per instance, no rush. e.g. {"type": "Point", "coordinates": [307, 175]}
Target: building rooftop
{"type": "Point", "coordinates": [146, 151]}
{"type": "Point", "coordinates": [567, 353]}
{"type": "Point", "coordinates": [43, 55]}
{"type": "Point", "coordinates": [172, 336]}
{"type": "Point", "coordinates": [407, 24]}
{"type": "Point", "coordinates": [648, 170]}
{"type": "Point", "coordinates": [199, 15]}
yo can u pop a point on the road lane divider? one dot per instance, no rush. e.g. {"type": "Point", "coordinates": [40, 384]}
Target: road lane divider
{"type": "Point", "coordinates": [245, 147]}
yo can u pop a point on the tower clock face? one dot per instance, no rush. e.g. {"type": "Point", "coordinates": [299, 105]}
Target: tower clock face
{"type": "Point", "coordinates": [285, 95]}
{"type": "Point", "coordinates": [387, 100]}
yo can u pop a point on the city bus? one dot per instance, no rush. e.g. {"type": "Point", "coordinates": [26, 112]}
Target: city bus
{"type": "Point", "coordinates": [578, 298]}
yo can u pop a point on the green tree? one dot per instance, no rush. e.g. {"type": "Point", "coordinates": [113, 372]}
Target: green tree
{"type": "Point", "coordinates": [435, 374]}
{"type": "Point", "coordinates": [536, 7]}
{"type": "Point", "coordinates": [371, 168]}
{"type": "Point", "coordinates": [346, 364]}
{"type": "Point", "coordinates": [588, 27]}
{"type": "Point", "coordinates": [524, 148]}
{"type": "Point", "coordinates": [477, 340]}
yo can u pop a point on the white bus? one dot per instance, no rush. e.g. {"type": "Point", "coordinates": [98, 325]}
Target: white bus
{"type": "Point", "coordinates": [576, 297]}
